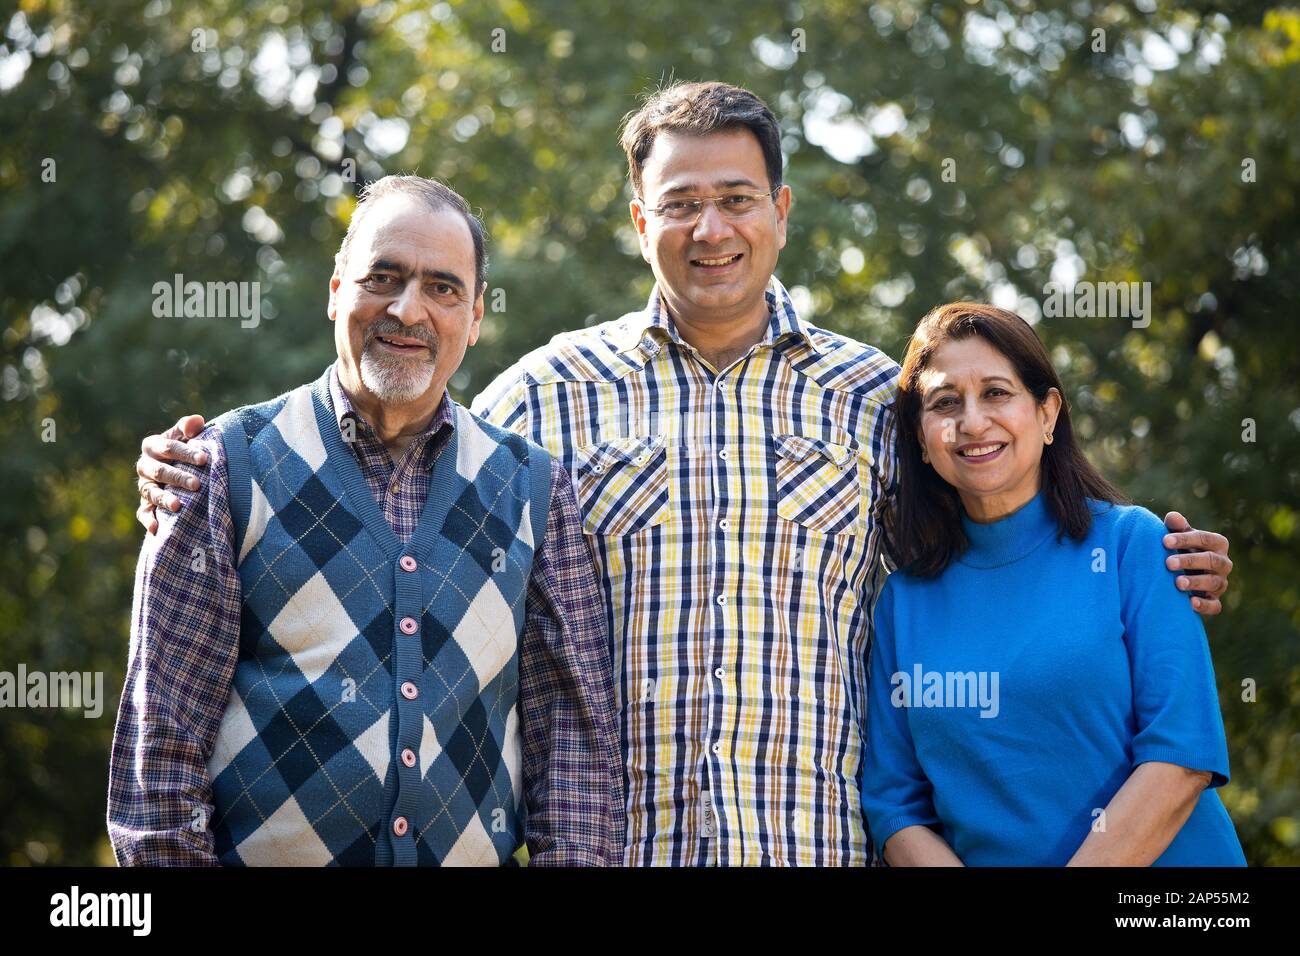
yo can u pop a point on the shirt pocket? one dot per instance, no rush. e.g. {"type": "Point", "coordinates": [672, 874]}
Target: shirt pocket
{"type": "Point", "coordinates": [622, 485]}
{"type": "Point", "coordinates": [817, 483]}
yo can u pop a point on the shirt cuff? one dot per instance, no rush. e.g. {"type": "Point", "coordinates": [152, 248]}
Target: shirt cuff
{"type": "Point", "coordinates": [569, 854]}
{"type": "Point", "coordinates": [161, 849]}
{"type": "Point", "coordinates": [896, 823]}
{"type": "Point", "coordinates": [1187, 759]}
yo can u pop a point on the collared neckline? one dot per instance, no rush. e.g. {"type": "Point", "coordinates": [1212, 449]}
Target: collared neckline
{"type": "Point", "coordinates": [343, 410]}
{"type": "Point", "coordinates": [1008, 539]}
{"type": "Point", "coordinates": [653, 325]}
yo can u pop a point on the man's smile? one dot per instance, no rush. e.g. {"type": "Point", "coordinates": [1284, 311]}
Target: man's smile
{"type": "Point", "coordinates": [402, 345]}
{"type": "Point", "coordinates": [716, 264]}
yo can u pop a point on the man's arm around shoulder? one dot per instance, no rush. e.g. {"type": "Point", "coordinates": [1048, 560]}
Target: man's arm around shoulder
{"type": "Point", "coordinates": [184, 644]}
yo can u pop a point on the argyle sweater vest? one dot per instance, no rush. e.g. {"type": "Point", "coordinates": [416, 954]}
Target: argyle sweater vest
{"type": "Point", "coordinates": [373, 716]}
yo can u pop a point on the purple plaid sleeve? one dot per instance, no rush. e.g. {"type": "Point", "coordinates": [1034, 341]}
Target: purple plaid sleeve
{"type": "Point", "coordinates": [573, 768]}
{"type": "Point", "coordinates": [184, 643]}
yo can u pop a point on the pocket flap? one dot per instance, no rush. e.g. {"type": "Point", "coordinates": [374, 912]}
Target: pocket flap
{"type": "Point", "coordinates": [636, 452]}
{"type": "Point", "coordinates": [801, 447]}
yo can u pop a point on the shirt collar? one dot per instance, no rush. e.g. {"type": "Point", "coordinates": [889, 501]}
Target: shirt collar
{"type": "Point", "coordinates": [344, 412]}
{"type": "Point", "coordinates": [649, 327]}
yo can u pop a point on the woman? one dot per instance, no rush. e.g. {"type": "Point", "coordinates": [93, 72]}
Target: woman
{"type": "Point", "coordinates": [1041, 693]}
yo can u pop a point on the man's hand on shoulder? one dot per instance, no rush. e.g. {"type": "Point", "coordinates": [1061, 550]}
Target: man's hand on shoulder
{"type": "Point", "coordinates": [155, 475]}
{"type": "Point", "coordinates": [1208, 554]}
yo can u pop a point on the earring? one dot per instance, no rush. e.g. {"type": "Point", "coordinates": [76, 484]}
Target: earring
{"type": "Point", "coordinates": [1047, 438]}
{"type": "Point", "coordinates": [925, 457]}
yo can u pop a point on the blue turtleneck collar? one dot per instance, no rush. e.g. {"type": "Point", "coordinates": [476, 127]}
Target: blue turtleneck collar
{"type": "Point", "coordinates": [1008, 539]}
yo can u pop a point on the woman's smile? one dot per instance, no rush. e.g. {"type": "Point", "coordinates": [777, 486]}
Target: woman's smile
{"type": "Point", "coordinates": [973, 454]}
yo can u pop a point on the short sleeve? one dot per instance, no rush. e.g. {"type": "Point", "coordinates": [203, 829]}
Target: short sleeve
{"type": "Point", "coordinates": [895, 790]}
{"type": "Point", "coordinates": [1175, 701]}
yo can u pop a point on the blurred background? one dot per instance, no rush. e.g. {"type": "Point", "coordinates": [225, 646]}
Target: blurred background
{"type": "Point", "coordinates": [936, 151]}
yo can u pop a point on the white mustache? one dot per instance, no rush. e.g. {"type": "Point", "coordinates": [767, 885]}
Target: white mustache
{"type": "Point", "coordinates": [393, 327]}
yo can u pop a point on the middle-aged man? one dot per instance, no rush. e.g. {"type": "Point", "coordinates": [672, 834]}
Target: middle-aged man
{"type": "Point", "coordinates": [732, 462]}
{"type": "Point", "coordinates": [374, 636]}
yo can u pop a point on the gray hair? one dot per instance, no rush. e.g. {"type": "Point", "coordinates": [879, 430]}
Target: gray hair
{"type": "Point", "coordinates": [437, 196]}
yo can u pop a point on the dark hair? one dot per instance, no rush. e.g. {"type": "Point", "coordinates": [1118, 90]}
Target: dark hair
{"type": "Point", "coordinates": [923, 523]}
{"type": "Point", "coordinates": [698, 109]}
{"type": "Point", "coordinates": [437, 196]}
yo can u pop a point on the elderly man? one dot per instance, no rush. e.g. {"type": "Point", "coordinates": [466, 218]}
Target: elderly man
{"type": "Point", "coordinates": [732, 462]}
{"type": "Point", "coordinates": [374, 635]}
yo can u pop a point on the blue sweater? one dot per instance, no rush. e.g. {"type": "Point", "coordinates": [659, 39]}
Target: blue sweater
{"type": "Point", "coordinates": [1013, 695]}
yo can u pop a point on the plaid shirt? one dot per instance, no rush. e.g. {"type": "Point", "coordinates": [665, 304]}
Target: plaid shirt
{"type": "Point", "coordinates": [185, 642]}
{"type": "Point", "coordinates": [735, 516]}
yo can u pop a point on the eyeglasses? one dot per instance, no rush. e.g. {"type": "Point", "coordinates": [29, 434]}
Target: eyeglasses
{"type": "Point", "coordinates": [732, 206]}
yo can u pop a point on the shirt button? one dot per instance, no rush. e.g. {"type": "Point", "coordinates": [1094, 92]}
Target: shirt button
{"type": "Point", "coordinates": [717, 748]}
{"type": "Point", "coordinates": [408, 563]}
{"type": "Point", "coordinates": [410, 691]}
{"type": "Point", "coordinates": [599, 469]}
{"type": "Point", "coordinates": [723, 454]}
{"type": "Point", "coordinates": [719, 673]}
{"type": "Point", "coordinates": [722, 599]}
{"type": "Point", "coordinates": [394, 488]}
{"type": "Point", "coordinates": [408, 757]}
{"type": "Point", "coordinates": [724, 524]}
{"type": "Point", "coordinates": [408, 625]}
{"type": "Point", "coordinates": [400, 826]}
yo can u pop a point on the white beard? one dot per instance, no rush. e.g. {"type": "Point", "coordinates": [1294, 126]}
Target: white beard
{"type": "Point", "coordinates": [391, 378]}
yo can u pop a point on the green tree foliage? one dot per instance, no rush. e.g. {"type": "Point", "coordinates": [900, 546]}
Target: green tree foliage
{"type": "Point", "coordinates": [937, 151]}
